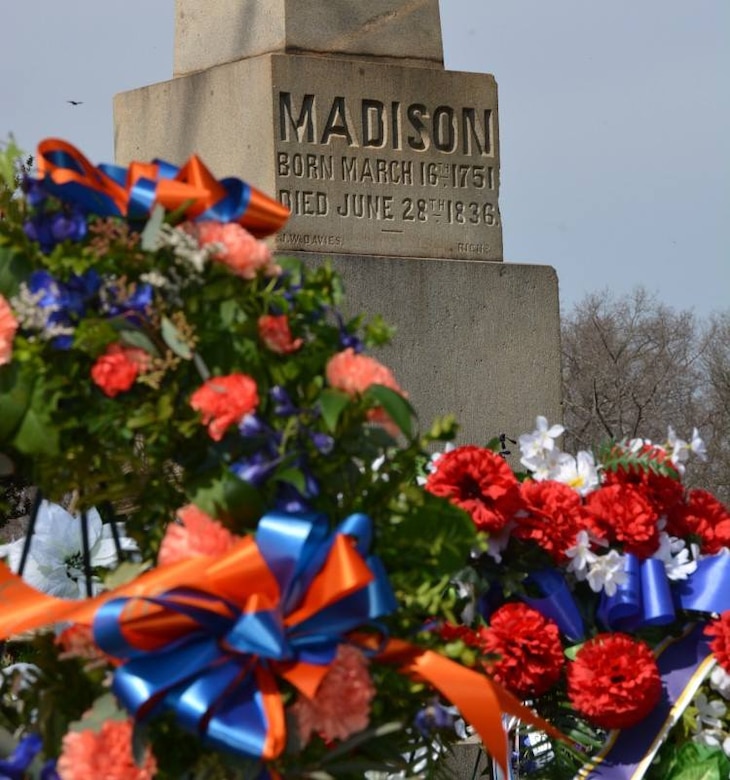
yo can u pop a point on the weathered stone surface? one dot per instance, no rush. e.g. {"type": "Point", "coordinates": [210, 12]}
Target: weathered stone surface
{"type": "Point", "coordinates": [371, 158]}
{"type": "Point", "coordinates": [479, 340]}
{"type": "Point", "coordinates": [220, 31]}
{"type": "Point", "coordinates": [389, 165]}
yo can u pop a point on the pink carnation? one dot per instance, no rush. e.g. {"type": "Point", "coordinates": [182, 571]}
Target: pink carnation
{"type": "Point", "coordinates": [245, 255]}
{"type": "Point", "coordinates": [196, 534]}
{"type": "Point", "coordinates": [8, 326]}
{"type": "Point", "coordinates": [341, 706]}
{"type": "Point", "coordinates": [354, 374]}
{"type": "Point", "coordinates": [91, 755]}
{"type": "Point", "coordinates": [224, 401]}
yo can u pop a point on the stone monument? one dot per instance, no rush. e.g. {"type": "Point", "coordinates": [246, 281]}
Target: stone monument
{"type": "Point", "coordinates": [390, 165]}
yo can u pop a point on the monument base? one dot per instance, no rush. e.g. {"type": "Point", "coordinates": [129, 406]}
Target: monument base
{"type": "Point", "coordinates": [477, 339]}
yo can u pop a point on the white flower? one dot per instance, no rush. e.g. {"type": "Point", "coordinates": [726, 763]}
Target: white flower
{"type": "Point", "coordinates": [581, 556]}
{"type": "Point", "coordinates": [607, 572]}
{"type": "Point", "coordinates": [546, 465]}
{"type": "Point", "coordinates": [497, 542]}
{"type": "Point", "coordinates": [697, 446]}
{"type": "Point", "coordinates": [720, 681]}
{"type": "Point", "coordinates": [681, 449]}
{"type": "Point", "coordinates": [580, 472]}
{"type": "Point", "coordinates": [710, 712]}
{"type": "Point", "coordinates": [26, 674]}
{"type": "Point", "coordinates": [536, 445]}
{"type": "Point", "coordinates": [55, 560]}
{"type": "Point", "coordinates": [678, 560]}
{"type": "Point", "coordinates": [433, 460]}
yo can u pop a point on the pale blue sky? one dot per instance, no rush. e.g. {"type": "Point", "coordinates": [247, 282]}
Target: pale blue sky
{"type": "Point", "coordinates": [614, 122]}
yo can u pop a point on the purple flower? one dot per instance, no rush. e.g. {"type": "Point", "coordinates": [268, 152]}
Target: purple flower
{"type": "Point", "coordinates": [323, 442]}
{"type": "Point", "coordinates": [255, 469]}
{"type": "Point", "coordinates": [283, 405]}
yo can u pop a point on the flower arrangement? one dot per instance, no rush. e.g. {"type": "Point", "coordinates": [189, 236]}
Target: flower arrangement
{"type": "Point", "coordinates": [602, 599]}
{"type": "Point", "coordinates": [227, 538]}
{"type": "Point", "coordinates": [241, 560]}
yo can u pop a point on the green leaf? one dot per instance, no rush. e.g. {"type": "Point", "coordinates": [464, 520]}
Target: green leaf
{"type": "Point", "coordinates": [14, 268]}
{"type": "Point", "coordinates": [228, 498]}
{"type": "Point", "coordinates": [152, 229]}
{"type": "Point", "coordinates": [16, 386]}
{"type": "Point", "coordinates": [36, 434]}
{"type": "Point", "coordinates": [124, 573]}
{"type": "Point", "coordinates": [293, 477]}
{"type": "Point", "coordinates": [7, 467]}
{"type": "Point", "coordinates": [173, 338]}
{"type": "Point", "coordinates": [138, 338]}
{"type": "Point", "coordinates": [10, 158]}
{"type": "Point", "coordinates": [396, 406]}
{"type": "Point", "coordinates": [332, 403]}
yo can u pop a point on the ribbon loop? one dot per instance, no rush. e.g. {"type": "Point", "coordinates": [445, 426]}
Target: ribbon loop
{"type": "Point", "coordinates": [209, 653]}
{"type": "Point", "coordinates": [112, 190]}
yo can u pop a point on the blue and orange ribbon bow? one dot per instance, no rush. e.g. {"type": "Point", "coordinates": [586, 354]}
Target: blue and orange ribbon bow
{"type": "Point", "coordinates": [112, 190]}
{"type": "Point", "coordinates": [208, 637]}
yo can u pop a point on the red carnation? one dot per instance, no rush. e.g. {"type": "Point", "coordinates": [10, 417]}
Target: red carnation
{"type": "Point", "coordinates": [621, 513]}
{"type": "Point", "coordinates": [662, 491]}
{"type": "Point", "coordinates": [614, 681]}
{"type": "Point", "coordinates": [555, 515]}
{"type": "Point", "coordinates": [224, 401]}
{"type": "Point", "coordinates": [720, 645]}
{"type": "Point", "coordinates": [529, 649]}
{"type": "Point", "coordinates": [480, 482]}
{"type": "Point", "coordinates": [704, 516]}
{"type": "Point", "coordinates": [117, 369]}
{"type": "Point", "coordinates": [275, 334]}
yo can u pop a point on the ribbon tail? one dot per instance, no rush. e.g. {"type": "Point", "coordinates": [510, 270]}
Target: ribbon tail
{"type": "Point", "coordinates": [480, 700]}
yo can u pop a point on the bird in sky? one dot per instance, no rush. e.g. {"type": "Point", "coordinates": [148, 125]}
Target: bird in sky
{"type": "Point", "coordinates": [75, 102]}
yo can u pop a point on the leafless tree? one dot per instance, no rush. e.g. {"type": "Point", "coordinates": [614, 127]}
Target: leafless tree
{"type": "Point", "coordinates": [633, 366]}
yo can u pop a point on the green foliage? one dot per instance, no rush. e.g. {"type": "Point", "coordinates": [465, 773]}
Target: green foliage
{"type": "Point", "coordinates": [615, 456]}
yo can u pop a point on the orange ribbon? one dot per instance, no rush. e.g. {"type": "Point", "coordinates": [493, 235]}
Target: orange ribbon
{"type": "Point", "coordinates": [115, 191]}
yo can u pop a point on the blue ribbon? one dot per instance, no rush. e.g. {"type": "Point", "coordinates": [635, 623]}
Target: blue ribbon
{"type": "Point", "coordinates": [211, 677]}
{"type": "Point", "coordinates": [557, 603]}
{"type": "Point", "coordinates": [645, 599]}
{"type": "Point", "coordinates": [707, 589]}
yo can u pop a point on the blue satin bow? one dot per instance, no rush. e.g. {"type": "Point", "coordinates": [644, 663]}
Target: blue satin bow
{"type": "Point", "coordinates": [215, 677]}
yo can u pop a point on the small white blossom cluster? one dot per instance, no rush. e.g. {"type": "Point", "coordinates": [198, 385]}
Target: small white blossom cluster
{"type": "Point", "coordinates": [34, 318]}
{"type": "Point", "coordinates": [185, 247]}
{"type": "Point", "coordinates": [544, 459]}
{"type": "Point", "coordinates": [604, 571]}
{"type": "Point", "coordinates": [712, 726]}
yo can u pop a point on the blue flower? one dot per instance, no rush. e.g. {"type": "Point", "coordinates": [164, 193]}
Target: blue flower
{"type": "Point", "coordinates": [284, 406]}
{"type": "Point", "coordinates": [51, 229]}
{"type": "Point", "coordinates": [434, 716]}
{"type": "Point", "coordinates": [138, 301]}
{"type": "Point", "coordinates": [15, 765]}
{"type": "Point", "coordinates": [33, 190]}
{"type": "Point", "coordinates": [66, 302]}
